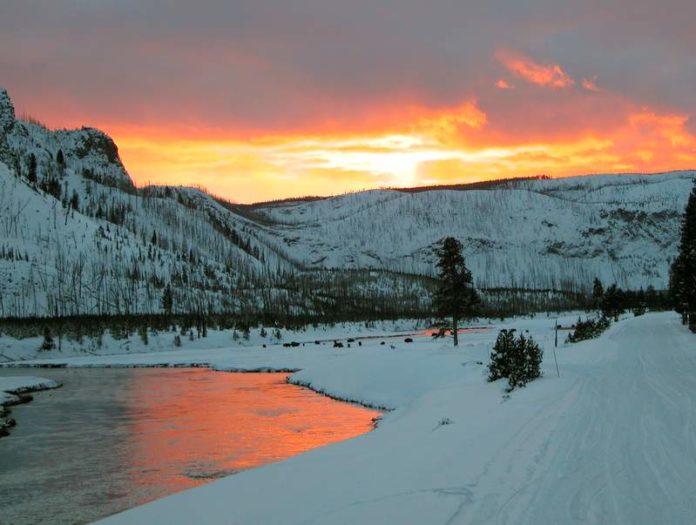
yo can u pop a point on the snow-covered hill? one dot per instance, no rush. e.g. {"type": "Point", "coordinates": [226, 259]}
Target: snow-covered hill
{"type": "Point", "coordinates": [77, 237]}
{"type": "Point", "coordinates": [556, 234]}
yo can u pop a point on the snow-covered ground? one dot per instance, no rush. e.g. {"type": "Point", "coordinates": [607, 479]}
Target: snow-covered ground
{"type": "Point", "coordinates": [610, 441]}
{"type": "Point", "coordinates": [15, 350]}
{"type": "Point", "coordinates": [9, 386]}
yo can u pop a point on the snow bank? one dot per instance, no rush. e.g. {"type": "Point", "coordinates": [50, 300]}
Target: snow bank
{"type": "Point", "coordinates": [610, 441]}
{"type": "Point", "coordinates": [11, 387]}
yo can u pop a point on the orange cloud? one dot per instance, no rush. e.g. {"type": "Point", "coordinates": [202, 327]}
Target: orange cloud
{"type": "Point", "coordinates": [590, 84]}
{"type": "Point", "coordinates": [444, 125]}
{"type": "Point", "coordinates": [403, 144]}
{"type": "Point", "coordinates": [540, 74]}
{"type": "Point", "coordinates": [503, 84]}
{"type": "Point", "coordinates": [429, 150]}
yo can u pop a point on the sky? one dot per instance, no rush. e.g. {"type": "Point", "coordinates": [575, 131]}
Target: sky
{"type": "Point", "coordinates": [259, 100]}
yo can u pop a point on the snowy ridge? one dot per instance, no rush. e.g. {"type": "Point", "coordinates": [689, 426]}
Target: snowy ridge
{"type": "Point", "coordinates": [84, 150]}
{"type": "Point", "coordinates": [77, 237]}
{"type": "Point", "coordinates": [556, 234]}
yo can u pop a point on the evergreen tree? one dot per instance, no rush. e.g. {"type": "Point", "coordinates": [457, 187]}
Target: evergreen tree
{"type": "Point", "coordinates": [455, 296]}
{"type": "Point", "coordinates": [31, 169]}
{"type": "Point", "coordinates": [518, 364]}
{"type": "Point", "coordinates": [533, 357]}
{"type": "Point", "coordinates": [60, 159]}
{"type": "Point", "coordinates": [75, 201]}
{"type": "Point", "coordinates": [612, 302]}
{"type": "Point", "coordinates": [518, 360]}
{"type": "Point", "coordinates": [597, 293]}
{"type": "Point", "coordinates": [48, 343]}
{"type": "Point", "coordinates": [51, 185]}
{"type": "Point", "coordinates": [683, 272]}
{"type": "Point", "coordinates": [142, 332]}
{"type": "Point", "coordinates": [499, 366]}
{"type": "Point", "coordinates": [168, 300]}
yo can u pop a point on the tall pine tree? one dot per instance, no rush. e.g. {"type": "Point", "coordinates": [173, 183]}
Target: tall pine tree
{"type": "Point", "coordinates": [612, 302]}
{"type": "Point", "coordinates": [31, 169]}
{"type": "Point", "coordinates": [455, 296]}
{"type": "Point", "coordinates": [682, 282]}
{"type": "Point", "coordinates": [597, 294]}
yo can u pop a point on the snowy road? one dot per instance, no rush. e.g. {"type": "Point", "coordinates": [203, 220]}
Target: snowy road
{"type": "Point", "coordinates": [625, 452]}
{"type": "Point", "coordinates": [611, 441]}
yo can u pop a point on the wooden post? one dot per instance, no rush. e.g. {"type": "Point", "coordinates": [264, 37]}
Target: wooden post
{"type": "Point", "coordinates": [558, 372]}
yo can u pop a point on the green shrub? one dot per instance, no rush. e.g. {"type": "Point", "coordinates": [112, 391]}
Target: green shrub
{"type": "Point", "coordinates": [499, 366]}
{"type": "Point", "coordinates": [48, 343]}
{"type": "Point", "coordinates": [639, 310]}
{"type": "Point", "coordinates": [588, 329]}
{"type": "Point", "coordinates": [518, 360]}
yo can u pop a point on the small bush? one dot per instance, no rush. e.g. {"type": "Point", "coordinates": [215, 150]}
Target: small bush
{"type": "Point", "coordinates": [48, 342]}
{"type": "Point", "coordinates": [499, 366]}
{"type": "Point", "coordinates": [142, 332]}
{"type": "Point", "coordinates": [588, 329]}
{"type": "Point", "coordinates": [518, 360]}
{"type": "Point", "coordinates": [639, 310]}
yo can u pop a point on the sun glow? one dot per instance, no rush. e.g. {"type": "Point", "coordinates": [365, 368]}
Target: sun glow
{"type": "Point", "coordinates": [456, 144]}
{"type": "Point", "coordinates": [434, 151]}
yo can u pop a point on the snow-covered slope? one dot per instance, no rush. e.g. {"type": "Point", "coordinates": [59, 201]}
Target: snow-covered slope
{"type": "Point", "coordinates": [77, 237]}
{"type": "Point", "coordinates": [557, 234]}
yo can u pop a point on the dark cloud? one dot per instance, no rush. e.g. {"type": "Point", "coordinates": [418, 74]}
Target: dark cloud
{"type": "Point", "coordinates": [275, 65]}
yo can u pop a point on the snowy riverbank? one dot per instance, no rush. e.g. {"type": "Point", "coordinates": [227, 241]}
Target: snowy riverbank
{"type": "Point", "coordinates": [610, 441]}
{"type": "Point", "coordinates": [14, 349]}
{"type": "Point", "coordinates": [12, 392]}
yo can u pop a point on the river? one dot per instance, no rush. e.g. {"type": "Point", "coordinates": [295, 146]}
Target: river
{"type": "Point", "coordinates": [111, 439]}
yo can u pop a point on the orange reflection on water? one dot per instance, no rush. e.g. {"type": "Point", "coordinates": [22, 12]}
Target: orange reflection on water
{"type": "Point", "coordinates": [192, 426]}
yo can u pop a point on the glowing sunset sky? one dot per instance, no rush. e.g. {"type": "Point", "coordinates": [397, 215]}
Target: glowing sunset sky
{"type": "Point", "coordinates": [258, 99]}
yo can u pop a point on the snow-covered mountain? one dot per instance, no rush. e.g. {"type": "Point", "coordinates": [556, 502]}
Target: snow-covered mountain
{"type": "Point", "coordinates": [77, 237]}
{"type": "Point", "coordinates": [556, 234]}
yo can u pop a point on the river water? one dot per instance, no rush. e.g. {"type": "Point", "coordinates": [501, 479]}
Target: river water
{"type": "Point", "coordinates": [111, 439]}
